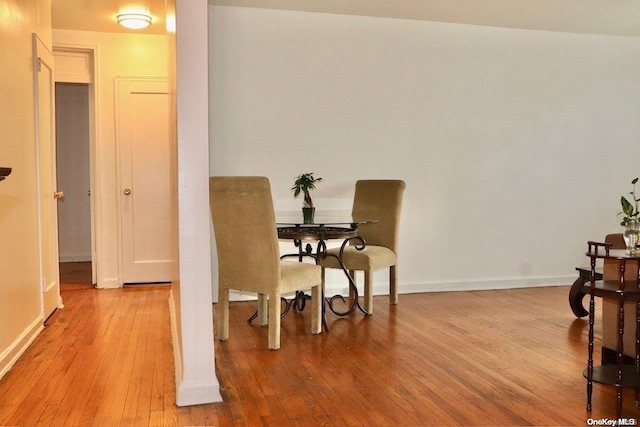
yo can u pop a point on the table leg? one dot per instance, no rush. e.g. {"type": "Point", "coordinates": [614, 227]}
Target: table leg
{"type": "Point", "coordinates": [579, 290]}
{"type": "Point", "coordinates": [576, 294]}
{"type": "Point", "coordinates": [299, 301]}
{"type": "Point", "coordinates": [353, 289]}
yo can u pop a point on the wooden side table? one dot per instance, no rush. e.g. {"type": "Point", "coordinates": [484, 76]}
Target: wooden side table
{"type": "Point", "coordinates": [624, 288]}
{"type": "Point", "coordinates": [578, 289]}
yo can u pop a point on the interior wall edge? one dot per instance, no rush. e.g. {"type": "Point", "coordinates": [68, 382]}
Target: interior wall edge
{"type": "Point", "coordinates": [12, 353]}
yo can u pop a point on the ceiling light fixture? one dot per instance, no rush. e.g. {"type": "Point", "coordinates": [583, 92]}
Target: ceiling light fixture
{"type": "Point", "coordinates": [134, 21]}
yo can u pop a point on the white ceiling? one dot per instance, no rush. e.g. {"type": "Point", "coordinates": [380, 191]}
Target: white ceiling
{"type": "Point", "coordinates": [612, 17]}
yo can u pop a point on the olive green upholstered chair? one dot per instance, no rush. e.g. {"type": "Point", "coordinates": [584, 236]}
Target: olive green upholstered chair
{"type": "Point", "coordinates": [380, 200]}
{"type": "Point", "coordinates": [248, 254]}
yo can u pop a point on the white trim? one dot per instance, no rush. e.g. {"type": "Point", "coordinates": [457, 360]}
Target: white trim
{"type": "Point", "coordinates": [94, 116]}
{"type": "Point", "coordinates": [484, 284]}
{"type": "Point", "coordinates": [10, 356]}
{"type": "Point", "coordinates": [198, 392]}
{"type": "Point", "coordinates": [189, 392]}
{"type": "Point", "coordinates": [76, 258]}
{"type": "Point", "coordinates": [109, 283]}
{"type": "Point", "coordinates": [382, 288]}
{"type": "Point", "coordinates": [175, 339]}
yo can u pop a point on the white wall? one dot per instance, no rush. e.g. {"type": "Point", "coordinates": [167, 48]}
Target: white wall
{"type": "Point", "coordinates": [20, 291]}
{"type": "Point", "coordinates": [515, 144]}
{"type": "Point", "coordinates": [72, 144]}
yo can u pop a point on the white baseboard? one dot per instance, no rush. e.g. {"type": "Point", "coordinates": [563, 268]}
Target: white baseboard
{"type": "Point", "coordinates": [189, 392]}
{"type": "Point", "coordinates": [109, 283]}
{"type": "Point", "coordinates": [459, 285]}
{"type": "Point", "coordinates": [175, 339]}
{"type": "Point", "coordinates": [10, 356]}
{"type": "Point", "coordinates": [382, 288]}
{"type": "Point", "coordinates": [478, 285]}
{"type": "Point", "coordinates": [75, 258]}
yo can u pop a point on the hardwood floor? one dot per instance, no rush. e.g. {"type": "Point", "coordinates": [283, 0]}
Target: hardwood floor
{"type": "Point", "coordinates": [509, 357]}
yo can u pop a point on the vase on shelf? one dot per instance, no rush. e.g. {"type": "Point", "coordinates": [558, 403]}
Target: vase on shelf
{"type": "Point", "coordinates": [630, 235]}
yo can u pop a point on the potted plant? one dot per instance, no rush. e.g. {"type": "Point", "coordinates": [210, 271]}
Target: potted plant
{"type": "Point", "coordinates": [630, 219]}
{"type": "Point", "coordinates": [304, 184]}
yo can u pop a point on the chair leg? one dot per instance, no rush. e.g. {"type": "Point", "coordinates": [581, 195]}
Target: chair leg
{"type": "Point", "coordinates": [352, 273]}
{"type": "Point", "coordinates": [262, 310]}
{"type": "Point", "coordinates": [223, 314]}
{"type": "Point", "coordinates": [274, 320]}
{"type": "Point", "coordinates": [368, 291]}
{"type": "Point", "coordinates": [316, 309]}
{"type": "Point", "coordinates": [393, 285]}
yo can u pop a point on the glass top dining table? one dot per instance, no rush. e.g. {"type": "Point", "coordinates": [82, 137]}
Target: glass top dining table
{"type": "Point", "coordinates": [323, 227]}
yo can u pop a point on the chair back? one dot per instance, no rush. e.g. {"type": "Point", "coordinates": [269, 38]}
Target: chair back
{"type": "Point", "coordinates": [244, 225]}
{"type": "Point", "coordinates": [611, 268]}
{"type": "Point", "coordinates": [380, 200]}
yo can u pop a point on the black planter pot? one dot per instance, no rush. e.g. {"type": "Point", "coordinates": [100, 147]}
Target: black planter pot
{"type": "Point", "coordinates": [308, 214]}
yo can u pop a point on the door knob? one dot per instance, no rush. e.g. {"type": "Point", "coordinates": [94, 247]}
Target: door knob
{"type": "Point", "coordinates": [127, 191]}
{"type": "Point", "coordinates": [58, 194]}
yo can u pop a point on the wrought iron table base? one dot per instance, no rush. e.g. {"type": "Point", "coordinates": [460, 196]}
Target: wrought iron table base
{"type": "Point", "coordinates": [300, 298]}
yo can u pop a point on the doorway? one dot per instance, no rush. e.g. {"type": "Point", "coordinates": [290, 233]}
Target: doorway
{"type": "Point", "coordinates": [75, 134]}
{"type": "Point", "coordinates": [74, 179]}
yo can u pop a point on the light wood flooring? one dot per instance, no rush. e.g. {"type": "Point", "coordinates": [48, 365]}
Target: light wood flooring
{"type": "Point", "coordinates": [508, 357]}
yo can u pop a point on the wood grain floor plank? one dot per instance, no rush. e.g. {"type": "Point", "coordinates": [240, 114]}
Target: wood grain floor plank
{"type": "Point", "coordinates": [508, 357]}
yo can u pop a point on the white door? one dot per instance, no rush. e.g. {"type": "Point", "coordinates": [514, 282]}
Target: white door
{"type": "Point", "coordinates": [142, 130]}
{"type": "Point", "coordinates": [47, 191]}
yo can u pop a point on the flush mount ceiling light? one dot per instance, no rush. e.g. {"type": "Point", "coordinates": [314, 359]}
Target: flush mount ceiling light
{"type": "Point", "coordinates": [134, 21]}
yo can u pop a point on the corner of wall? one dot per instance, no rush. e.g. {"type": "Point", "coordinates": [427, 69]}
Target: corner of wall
{"type": "Point", "coordinates": [10, 356]}
{"type": "Point", "coordinates": [175, 338]}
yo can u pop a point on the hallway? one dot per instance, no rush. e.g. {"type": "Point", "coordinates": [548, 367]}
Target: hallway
{"type": "Point", "coordinates": [105, 359]}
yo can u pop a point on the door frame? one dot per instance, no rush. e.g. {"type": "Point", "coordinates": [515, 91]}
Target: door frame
{"type": "Point", "coordinates": [94, 200]}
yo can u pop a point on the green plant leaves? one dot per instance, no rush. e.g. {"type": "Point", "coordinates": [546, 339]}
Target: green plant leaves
{"type": "Point", "coordinates": [627, 208]}
{"type": "Point", "coordinates": [303, 184]}
{"type": "Point", "coordinates": [630, 209]}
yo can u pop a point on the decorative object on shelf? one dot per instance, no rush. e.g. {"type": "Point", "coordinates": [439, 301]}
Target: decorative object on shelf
{"type": "Point", "coordinates": [630, 220]}
{"type": "Point", "coordinates": [304, 184]}
{"type": "Point", "coordinates": [630, 236]}
{"type": "Point", "coordinates": [4, 172]}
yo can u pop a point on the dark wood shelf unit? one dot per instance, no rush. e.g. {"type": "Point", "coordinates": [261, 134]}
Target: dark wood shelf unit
{"type": "Point", "coordinates": [611, 289]}
{"type": "Point", "coordinates": [4, 172]}
{"type": "Point", "coordinates": [624, 288]}
{"type": "Point", "coordinates": [608, 374]}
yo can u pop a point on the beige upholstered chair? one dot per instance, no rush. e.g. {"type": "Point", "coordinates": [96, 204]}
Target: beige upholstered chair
{"type": "Point", "coordinates": [248, 255]}
{"type": "Point", "coordinates": [380, 200]}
